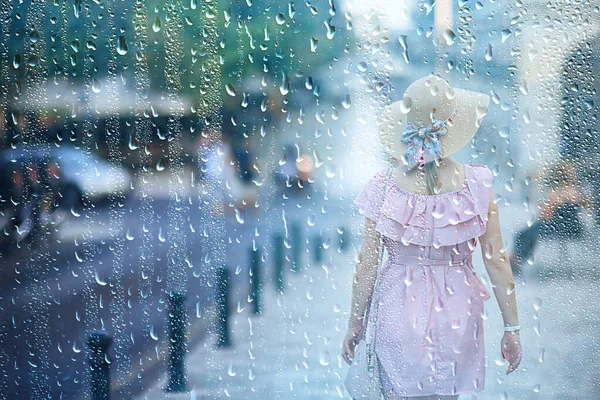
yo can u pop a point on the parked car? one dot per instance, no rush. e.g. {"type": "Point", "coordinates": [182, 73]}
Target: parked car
{"type": "Point", "coordinates": [28, 196]}
{"type": "Point", "coordinates": [84, 174]}
{"type": "Point", "coordinates": [40, 187]}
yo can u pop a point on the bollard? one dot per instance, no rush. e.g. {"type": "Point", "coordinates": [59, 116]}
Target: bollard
{"type": "Point", "coordinates": [177, 321]}
{"type": "Point", "coordinates": [318, 248]}
{"type": "Point", "coordinates": [296, 246]}
{"type": "Point", "coordinates": [255, 279]}
{"type": "Point", "coordinates": [222, 299]}
{"type": "Point", "coordinates": [278, 255]}
{"type": "Point", "coordinates": [99, 342]}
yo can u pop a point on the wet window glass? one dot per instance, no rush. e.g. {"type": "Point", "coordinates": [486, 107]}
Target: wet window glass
{"type": "Point", "coordinates": [321, 199]}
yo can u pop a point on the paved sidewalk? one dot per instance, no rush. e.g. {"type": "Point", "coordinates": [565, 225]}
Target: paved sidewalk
{"type": "Point", "coordinates": [290, 351]}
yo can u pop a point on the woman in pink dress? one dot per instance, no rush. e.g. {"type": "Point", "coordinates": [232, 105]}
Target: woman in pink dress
{"type": "Point", "coordinates": [430, 214]}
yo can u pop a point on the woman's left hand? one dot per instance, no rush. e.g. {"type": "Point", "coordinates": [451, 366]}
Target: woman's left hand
{"type": "Point", "coordinates": [511, 350]}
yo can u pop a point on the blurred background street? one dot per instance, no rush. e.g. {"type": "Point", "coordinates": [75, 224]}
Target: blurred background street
{"type": "Point", "coordinates": [177, 177]}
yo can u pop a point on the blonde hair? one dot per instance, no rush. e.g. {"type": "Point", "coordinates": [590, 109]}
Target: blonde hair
{"type": "Point", "coordinates": [431, 175]}
{"type": "Point", "coordinates": [431, 170]}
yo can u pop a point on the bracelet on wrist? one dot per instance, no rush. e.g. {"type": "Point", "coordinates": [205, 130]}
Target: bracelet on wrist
{"type": "Point", "coordinates": [512, 328]}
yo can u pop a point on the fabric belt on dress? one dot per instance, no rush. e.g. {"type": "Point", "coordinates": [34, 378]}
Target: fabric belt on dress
{"type": "Point", "coordinates": [415, 260]}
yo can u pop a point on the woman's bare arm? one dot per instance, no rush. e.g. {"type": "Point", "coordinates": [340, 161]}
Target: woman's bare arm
{"type": "Point", "coordinates": [500, 272]}
{"type": "Point", "coordinates": [498, 266]}
{"type": "Point", "coordinates": [366, 272]}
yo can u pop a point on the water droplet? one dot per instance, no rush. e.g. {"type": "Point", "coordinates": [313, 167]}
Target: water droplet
{"type": "Point", "coordinates": [541, 354]}
{"type": "Point", "coordinates": [240, 309]}
{"type": "Point", "coordinates": [313, 44]}
{"type": "Point", "coordinates": [16, 61]}
{"type": "Point", "coordinates": [156, 26]}
{"type": "Point", "coordinates": [506, 33]}
{"type": "Point", "coordinates": [132, 142]}
{"type": "Point", "coordinates": [536, 329]}
{"type": "Point", "coordinates": [449, 37]}
{"type": "Point", "coordinates": [284, 88]}
{"type": "Point", "coordinates": [122, 48]}
{"type": "Point", "coordinates": [523, 87]}
{"type": "Point", "coordinates": [230, 90]}
{"type": "Point", "coordinates": [532, 54]}
{"type": "Point", "coordinates": [309, 294]}
{"type": "Point", "coordinates": [428, 4]}
{"type": "Point", "coordinates": [362, 66]}
{"type": "Point", "coordinates": [153, 334]}
{"type": "Point", "coordinates": [346, 102]}
{"type": "Point", "coordinates": [160, 165]}
{"type": "Point", "coordinates": [454, 217]}
{"type": "Point", "coordinates": [408, 279]}
{"type": "Point", "coordinates": [34, 36]}
{"type": "Point", "coordinates": [489, 53]}
{"type": "Point", "coordinates": [405, 105]}
{"type": "Point", "coordinates": [33, 61]}
{"type": "Point", "coordinates": [239, 215]}
{"type": "Point", "coordinates": [330, 29]}
{"type": "Point", "coordinates": [210, 14]}
{"type": "Point", "coordinates": [438, 210]}
{"type": "Point", "coordinates": [76, 347]}
{"type": "Point", "coordinates": [96, 86]}
{"type": "Point", "coordinates": [324, 358]}
{"type": "Point", "coordinates": [232, 370]}
{"type": "Point", "coordinates": [99, 280]}
{"type": "Point", "coordinates": [439, 305]}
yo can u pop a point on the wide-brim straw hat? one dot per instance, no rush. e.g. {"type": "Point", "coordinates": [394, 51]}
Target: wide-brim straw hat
{"type": "Point", "coordinates": [430, 98]}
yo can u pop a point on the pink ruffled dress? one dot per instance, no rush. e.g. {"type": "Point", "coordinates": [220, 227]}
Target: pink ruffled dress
{"type": "Point", "coordinates": [429, 334]}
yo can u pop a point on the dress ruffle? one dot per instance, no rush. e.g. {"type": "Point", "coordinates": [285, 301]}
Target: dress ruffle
{"type": "Point", "coordinates": [429, 220]}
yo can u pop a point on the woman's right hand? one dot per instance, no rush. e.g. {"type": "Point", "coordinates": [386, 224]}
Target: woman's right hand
{"type": "Point", "coordinates": [511, 350]}
{"type": "Point", "coordinates": [349, 344]}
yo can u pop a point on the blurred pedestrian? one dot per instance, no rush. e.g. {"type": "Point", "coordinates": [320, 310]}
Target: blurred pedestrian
{"type": "Point", "coordinates": [239, 174]}
{"type": "Point", "coordinates": [286, 172]}
{"type": "Point", "coordinates": [293, 174]}
{"type": "Point", "coordinates": [241, 213]}
{"type": "Point", "coordinates": [559, 212]}
{"type": "Point", "coordinates": [209, 148]}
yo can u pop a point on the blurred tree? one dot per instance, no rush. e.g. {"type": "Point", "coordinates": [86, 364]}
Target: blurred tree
{"type": "Point", "coordinates": [265, 48]}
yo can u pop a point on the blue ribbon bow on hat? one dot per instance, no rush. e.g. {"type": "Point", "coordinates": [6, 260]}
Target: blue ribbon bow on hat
{"type": "Point", "coordinates": [423, 143]}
